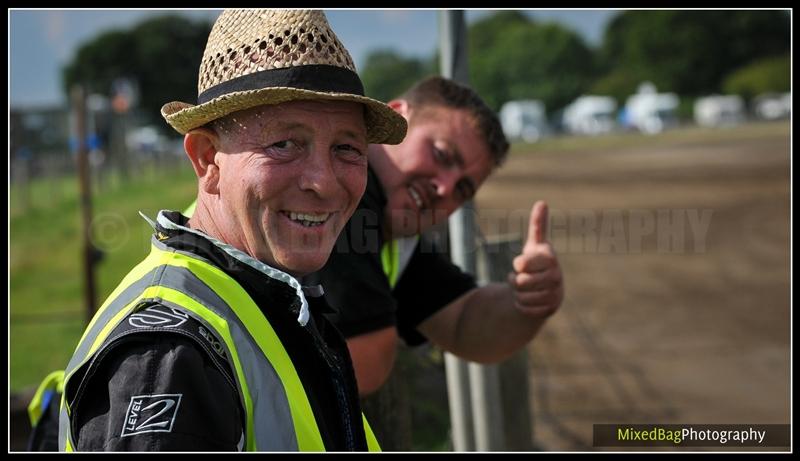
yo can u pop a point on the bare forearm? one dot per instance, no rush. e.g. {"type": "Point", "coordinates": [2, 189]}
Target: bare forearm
{"type": "Point", "coordinates": [373, 357]}
{"type": "Point", "coordinates": [483, 325]}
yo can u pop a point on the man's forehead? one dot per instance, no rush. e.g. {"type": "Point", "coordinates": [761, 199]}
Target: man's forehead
{"type": "Point", "coordinates": [295, 115]}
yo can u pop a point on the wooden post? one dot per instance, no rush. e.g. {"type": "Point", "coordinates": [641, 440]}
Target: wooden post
{"type": "Point", "coordinates": [21, 173]}
{"type": "Point", "coordinates": [79, 112]}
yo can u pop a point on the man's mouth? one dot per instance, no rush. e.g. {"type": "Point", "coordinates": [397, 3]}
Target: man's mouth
{"type": "Point", "coordinates": [415, 196]}
{"type": "Point", "coordinates": [308, 219]}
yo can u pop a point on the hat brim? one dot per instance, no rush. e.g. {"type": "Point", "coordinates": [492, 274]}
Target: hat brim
{"type": "Point", "coordinates": [384, 125]}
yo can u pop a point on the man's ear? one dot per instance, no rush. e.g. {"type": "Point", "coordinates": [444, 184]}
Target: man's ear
{"type": "Point", "coordinates": [400, 106]}
{"type": "Point", "coordinates": [201, 146]}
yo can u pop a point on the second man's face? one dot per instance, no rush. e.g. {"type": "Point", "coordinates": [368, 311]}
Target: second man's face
{"type": "Point", "coordinates": [439, 165]}
{"type": "Point", "coordinates": [291, 176]}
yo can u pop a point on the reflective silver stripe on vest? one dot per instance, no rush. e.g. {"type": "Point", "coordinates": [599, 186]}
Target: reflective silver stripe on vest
{"type": "Point", "coordinates": [272, 419]}
{"type": "Point", "coordinates": [273, 425]}
{"type": "Point", "coordinates": [128, 294]}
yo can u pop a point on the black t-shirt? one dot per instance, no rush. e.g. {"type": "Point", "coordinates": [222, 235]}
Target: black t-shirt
{"type": "Point", "coordinates": [356, 286]}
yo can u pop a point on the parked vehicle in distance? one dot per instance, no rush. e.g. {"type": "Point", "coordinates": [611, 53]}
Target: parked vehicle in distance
{"type": "Point", "coordinates": [649, 111]}
{"type": "Point", "coordinates": [524, 120]}
{"type": "Point", "coordinates": [719, 111]}
{"type": "Point", "coordinates": [590, 115]}
{"type": "Point", "coordinates": [773, 106]}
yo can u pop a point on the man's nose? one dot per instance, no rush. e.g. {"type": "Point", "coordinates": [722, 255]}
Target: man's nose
{"type": "Point", "coordinates": [317, 173]}
{"type": "Point", "coordinates": [445, 182]}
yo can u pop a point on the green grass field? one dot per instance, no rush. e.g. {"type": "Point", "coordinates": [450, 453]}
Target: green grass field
{"type": "Point", "coordinates": [47, 309]}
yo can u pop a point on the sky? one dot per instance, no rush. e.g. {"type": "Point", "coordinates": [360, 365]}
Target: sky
{"type": "Point", "coordinates": [41, 42]}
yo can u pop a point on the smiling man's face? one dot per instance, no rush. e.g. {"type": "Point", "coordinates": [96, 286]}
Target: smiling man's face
{"type": "Point", "coordinates": [439, 165]}
{"type": "Point", "coordinates": [290, 176]}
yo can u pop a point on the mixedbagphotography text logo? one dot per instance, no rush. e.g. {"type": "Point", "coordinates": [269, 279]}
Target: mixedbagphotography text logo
{"type": "Point", "coordinates": [691, 435]}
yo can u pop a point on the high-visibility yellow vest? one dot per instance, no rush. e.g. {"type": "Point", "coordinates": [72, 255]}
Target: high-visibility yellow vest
{"type": "Point", "coordinates": [280, 421]}
{"type": "Point", "coordinates": [51, 386]}
{"type": "Point", "coordinates": [395, 256]}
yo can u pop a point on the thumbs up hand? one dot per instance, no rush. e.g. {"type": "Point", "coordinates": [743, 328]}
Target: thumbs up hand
{"type": "Point", "coordinates": [537, 281]}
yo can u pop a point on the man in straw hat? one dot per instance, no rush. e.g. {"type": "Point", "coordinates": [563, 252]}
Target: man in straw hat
{"type": "Point", "coordinates": [211, 343]}
{"type": "Point", "coordinates": [385, 282]}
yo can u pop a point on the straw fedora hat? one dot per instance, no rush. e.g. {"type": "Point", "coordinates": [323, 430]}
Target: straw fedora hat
{"type": "Point", "coordinates": [264, 57]}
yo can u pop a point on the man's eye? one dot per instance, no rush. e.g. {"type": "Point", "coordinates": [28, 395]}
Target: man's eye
{"type": "Point", "coordinates": [285, 149]}
{"type": "Point", "coordinates": [349, 151]}
{"type": "Point", "coordinates": [465, 190]}
{"type": "Point", "coordinates": [442, 157]}
{"type": "Point", "coordinates": [348, 148]}
{"type": "Point", "coordinates": [286, 144]}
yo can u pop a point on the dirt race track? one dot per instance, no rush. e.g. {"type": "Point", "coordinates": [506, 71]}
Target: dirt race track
{"type": "Point", "coordinates": [676, 260]}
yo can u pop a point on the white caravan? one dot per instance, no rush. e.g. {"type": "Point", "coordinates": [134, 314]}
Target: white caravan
{"type": "Point", "coordinates": [590, 115]}
{"type": "Point", "coordinates": [650, 112]}
{"type": "Point", "coordinates": [716, 110]}
{"type": "Point", "coordinates": [524, 120]}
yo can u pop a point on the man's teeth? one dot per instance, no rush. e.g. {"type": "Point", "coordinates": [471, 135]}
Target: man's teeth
{"type": "Point", "coordinates": [307, 219]}
{"type": "Point", "coordinates": [416, 197]}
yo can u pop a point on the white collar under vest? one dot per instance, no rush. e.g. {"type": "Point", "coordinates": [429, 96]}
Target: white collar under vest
{"type": "Point", "coordinates": [243, 257]}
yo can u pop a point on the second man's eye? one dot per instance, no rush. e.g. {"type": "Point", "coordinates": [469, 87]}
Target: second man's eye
{"type": "Point", "coordinates": [441, 156]}
{"type": "Point", "coordinates": [465, 190]}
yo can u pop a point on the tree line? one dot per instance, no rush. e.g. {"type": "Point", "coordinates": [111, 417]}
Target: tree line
{"type": "Point", "coordinates": [511, 56]}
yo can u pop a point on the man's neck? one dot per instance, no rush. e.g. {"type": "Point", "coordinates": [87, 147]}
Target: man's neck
{"type": "Point", "coordinates": [206, 221]}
